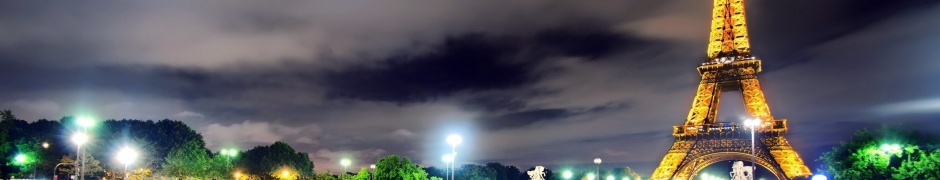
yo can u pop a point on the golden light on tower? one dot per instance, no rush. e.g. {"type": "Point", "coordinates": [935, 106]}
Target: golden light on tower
{"type": "Point", "coordinates": [702, 140]}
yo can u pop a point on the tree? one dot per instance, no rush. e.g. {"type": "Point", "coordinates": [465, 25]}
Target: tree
{"type": "Point", "coordinates": [189, 160]}
{"type": "Point", "coordinates": [869, 155]}
{"type": "Point", "coordinates": [363, 174]}
{"type": "Point", "coordinates": [504, 172]}
{"type": "Point", "coordinates": [394, 168]}
{"type": "Point", "coordinates": [325, 176]}
{"type": "Point", "coordinates": [272, 160]}
{"type": "Point", "coordinates": [476, 172]}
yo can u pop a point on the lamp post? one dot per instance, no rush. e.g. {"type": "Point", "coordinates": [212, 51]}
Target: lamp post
{"type": "Point", "coordinates": [84, 123]}
{"type": "Point", "coordinates": [454, 140]}
{"type": "Point", "coordinates": [448, 158]}
{"type": "Point", "coordinates": [752, 123]}
{"type": "Point", "coordinates": [79, 138]}
{"type": "Point", "coordinates": [597, 162]}
{"type": "Point", "coordinates": [127, 156]}
{"type": "Point", "coordinates": [345, 163]}
{"type": "Point", "coordinates": [372, 175]}
{"type": "Point", "coordinates": [567, 174]}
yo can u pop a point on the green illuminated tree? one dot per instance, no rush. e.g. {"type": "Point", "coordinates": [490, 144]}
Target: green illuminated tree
{"type": "Point", "coordinates": [363, 174]}
{"type": "Point", "coordinates": [190, 160]}
{"type": "Point", "coordinates": [394, 168]}
{"type": "Point", "coordinates": [869, 155]}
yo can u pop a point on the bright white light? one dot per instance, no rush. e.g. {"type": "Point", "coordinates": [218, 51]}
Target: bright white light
{"type": "Point", "coordinates": [127, 155]}
{"type": "Point", "coordinates": [79, 138]}
{"type": "Point", "coordinates": [45, 145]}
{"type": "Point", "coordinates": [372, 166]}
{"type": "Point", "coordinates": [751, 122]}
{"type": "Point", "coordinates": [597, 160]}
{"type": "Point", "coordinates": [626, 178]}
{"type": "Point", "coordinates": [567, 174]}
{"type": "Point", "coordinates": [820, 177]}
{"type": "Point", "coordinates": [590, 176]}
{"type": "Point", "coordinates": [345, 162]}
{"type": "Point", "coordinates": [610, 177]}
{"type": "Point", "coordinates": [85, 122]}
{"type": "Point", "coordinates": [454, 139]}
{"type": "Point", "coordinates": [448, 158]}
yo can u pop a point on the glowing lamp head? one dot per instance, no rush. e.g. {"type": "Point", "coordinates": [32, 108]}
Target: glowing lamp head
{"type": "Point", "coordinates": [590, 176]}
{"type": "Point", "coordinates": [127, 155]}
{"type": "Point", "coordinates": [345, 162]}
{"type": "Point", "coordinates": [626, 178]}
{"type": "Point", "coordinates": [372, 166]}
{"type": "Point", "coordinates": [79, 138]}
{"type": "Point", "coordinates": [597, 160]}
{"type": "Point", "coordinates": [238, 174]}
{"type": "Point", "coordinates": [285, 174]}
{"type": "Point", "coordinates": [752, 122]}
{"type": "Point", "coordinates": [567, 174]}
{"type": "Point", "coordinates": [85, 122]}
{"type": "Point", "coordinates": [45, 145]}
{"type": "Point", "coordinates": [610, 177]}
{"type": "Point", "coordinates": [448, 158]}
{"type": "Point", "coordinates": [454, 139]}
{"type": "Point", "coordinates": [20, 158]}
{"type": "Point", "coordinates": [820, 177]}
{"type": "Point", "coordinates": [891, 148]}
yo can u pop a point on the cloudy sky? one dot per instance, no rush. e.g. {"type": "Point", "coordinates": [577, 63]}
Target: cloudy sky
{"type": "Point", "coordinates": [527, 82]}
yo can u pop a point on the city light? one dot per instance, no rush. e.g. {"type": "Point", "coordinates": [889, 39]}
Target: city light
{"type": "Point", "coordinates": [79, 138]}
{"type": "Point", "coordinates": [45, 145]}
{"type": "Point", "coordinates": [127, 155]}
{"type": "Point", "coordinates": [448, 158]}
{"type": "Point", "coordinates": [610, 177]}
{"type": "Point", "coordinates": [454, 139]}
{"type": "Point", "coordinates": [567, 174]}
{"type": "Point", "coordinates": [20, 158]}
{"type": "Point", "coordinates": [345, 163]}
{"type": "Point", "coordinates": [820, 177]}
{"type": "Point", "coordinates": [590, 176]}
{"type": "Point", "coordinates": [891, 148]}
{"type": "Point", "coordinates": [85, 122]}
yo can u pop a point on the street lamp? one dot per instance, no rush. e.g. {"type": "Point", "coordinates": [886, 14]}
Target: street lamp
{"type": "Point", "coordinates": [590, 176]}
{"type": "Point", "coordinates": [373, 171]}
{"type": "Point", "coordinates": [752, 123]}
{"type": "Point", "coordinates": [448, 158]}
{"type": "Point", "coordinates": [610, 177]}
{"type": "Point", "coordinates": [567, 174]}
{"type": "Point", "coordinates": [79, 138]}
{"type": "Point", "coordinates": [454, 140]}
{"type": "Point", "coordinates": [820, 177]}
{"type": "Point", "coordinates": [345, 163]}
{"type": "Point", "coordinates": [597, 161]}
{"type": "Point", "coordinates": [126, 156]}
{"type": "Point", "coordinates": [45, 145]}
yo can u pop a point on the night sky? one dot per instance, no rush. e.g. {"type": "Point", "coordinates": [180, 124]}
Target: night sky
{"type": "Point", "coordinates": [527, 82]}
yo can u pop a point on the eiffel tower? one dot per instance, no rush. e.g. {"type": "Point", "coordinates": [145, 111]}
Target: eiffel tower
{"type": "Point", "coordinates": [701, 140]}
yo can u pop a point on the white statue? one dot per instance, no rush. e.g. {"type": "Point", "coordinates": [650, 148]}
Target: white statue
{"type": "Point", "coordinates": [537, 174]}
{"type": "Point", "coordinates": [741, 172]}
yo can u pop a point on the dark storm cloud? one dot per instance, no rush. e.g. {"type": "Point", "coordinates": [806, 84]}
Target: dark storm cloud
{"type": "Point", "coordinates": [476, 62]}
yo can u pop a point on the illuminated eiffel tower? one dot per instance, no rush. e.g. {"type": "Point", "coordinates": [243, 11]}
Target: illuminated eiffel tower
{"type": "Point", "coordinates": [702, 140]}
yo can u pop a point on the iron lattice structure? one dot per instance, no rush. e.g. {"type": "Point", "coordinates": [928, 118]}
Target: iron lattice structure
{"type": "Point", "coordinates": [701, 140]}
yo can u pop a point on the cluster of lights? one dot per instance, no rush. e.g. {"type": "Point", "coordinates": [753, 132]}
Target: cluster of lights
{"type": "Point", "coordinates": [568, 175]}
{"type": "Point", "coordinates": [229, 152]}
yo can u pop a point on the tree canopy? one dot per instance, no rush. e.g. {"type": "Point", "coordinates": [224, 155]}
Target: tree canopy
{"type": "Point", "coordinates": [886, 154]}
{"type": "Point", "coordinates": [393, 167]}
{"type": "Point", "coordinates": [275, 159]}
